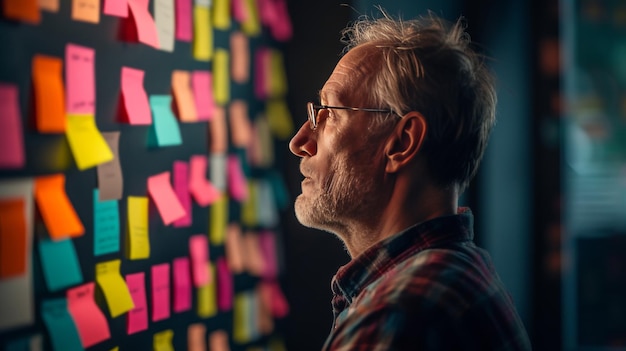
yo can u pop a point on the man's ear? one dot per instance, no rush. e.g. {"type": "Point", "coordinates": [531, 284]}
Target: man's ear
{"type": "Point", "coordinates": [405, 142]}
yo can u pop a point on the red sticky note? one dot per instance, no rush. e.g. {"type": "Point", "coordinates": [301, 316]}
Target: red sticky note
{"type": "Point", "coordinates": [144, 23]}
{"type": "Point", "coordinates": [182, 284]}
{"type": "Point", "coordinates": [49, 94]}
{"type": "Point", "coordinates": [164, 197]}
{"type": "Point", "coordinates": [11, 136]}
{"type": "Point", "coordinates": [199, 186]}
{"type": "Point", "coordinates": [80, 80]}
{"type": "Point", "coordinates": [160, 291]}
{"type": "Point", "coordinates": [199, 252]}
{"type": "Point", "coordinates": [203, 96]}
{"type": "Point", "coordinates": [22, 10]}
{"type": "Point", "coordinates": [117, 8]}
{"type": "Point", "coordinates": [55, 207]}
{"type": "Point", "coordinates": [12, 238]}
{"type": "Point", "coordinates": [181, 188]}
{"type": "Point", "coordinates": [90, 322]}
{"type": "Point", "coordinates": [224, 285]}
{"type": "Point", "coordinates": [135, 100]}
{"type": "Point", "coordinates": [184, 28]}
{"type": "Point", "coordinates": [137, 318]}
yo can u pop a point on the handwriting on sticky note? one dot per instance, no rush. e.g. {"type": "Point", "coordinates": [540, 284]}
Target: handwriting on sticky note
{"type": "Point", "coordinates": [165, 130]}
{"type": "Point", "coordinates": [139, 241]}
{"type": "Point", "coordinates": [12, 238]}
{"type": "Point", "coordinates": [237, 183]}
{"type": "Point", "coordinates": [59, 256]}
{"type": "Point", "coordinates": [181, 188]}
{"type": "Point", "coordinates": [22, 10]}
{"type": "Point", "coordinates": [240, 51]}
{"type": "Point", "coordinates": [114, 287]}
{"type": "Point", "coordinates": [110, 180]}
{"type": "Point", "coordinates": [164, 197]}
{"type": "Point", "coordinates": [86, 10]}
{"type": "Point", "coordinates": [183, 20]}
{"type": "Point", "coordinates": [88, 146]}
{"type": "Point", "coordinates": [118, 8]}
{"type": "Point", "coordinates": [219, 220]}
{"type": "Point", "coordinates": [199, 252]}
{"type": "Point", "coordinates": [135, 99]}
{"type": "Point", "coordinates": [203, 95]}
{"type": "Point", "coordinates": [61, 327]}
{"type": "Point", "coordinates": [55, 207]}
{"type": "Point", "coordinates": [162, 341]}
{"type": "Point", "coordinates": [145, 26]}
{"type": "Point", "coordinates": [49, 94]}
{"type": "Point", "coordinates": [196, 336]}
{"type": "Point", "coordinates": [181, 284]}
{"type": "Point", "coordinates": [241, 130]}
{"type": "Point", "coordinates": [106, 225]}
{"type": "Point", "coordinates": [80, 79]}
{"type": "Point", "coordinates": [90, 322]}
{"type": "Point", "coordinates": [164, 22]}
{"type": "Point", "coordinates": [137, 319]}
{"type": "Point", "coordinates": [224, 285]}
{"type": "Point", "coordinates": [200, 188]}
{"type": "Point", "coordinates": [11, 136]}
{"type": "Point", "coordinates": [202, 33]}
{"type": "Point", "coordinates": [160, 276]}
{"type": "Point", "coordinates": [221, 76]}
{"type": "Point", "coordinates": [185, 105]}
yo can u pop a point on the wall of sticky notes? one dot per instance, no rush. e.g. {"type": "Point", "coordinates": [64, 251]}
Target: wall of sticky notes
{"type": "Point", "coordinates": [140, 199]}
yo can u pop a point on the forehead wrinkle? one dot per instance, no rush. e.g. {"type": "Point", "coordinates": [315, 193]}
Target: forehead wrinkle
{"type": "Point", "coordinates": [351, 72]}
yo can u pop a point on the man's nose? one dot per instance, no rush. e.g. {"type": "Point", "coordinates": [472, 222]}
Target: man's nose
{"type": "Point", "coordinates": [303, 144]}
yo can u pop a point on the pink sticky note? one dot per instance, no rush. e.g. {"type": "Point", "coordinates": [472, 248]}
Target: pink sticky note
{"type": "Point", "coordinates": [237, 184]}
{"type": "Point", "coordinates": [199, 186]}
{"type": "Point", "coordinates": [261, 67]}
{"type": "Point", "coordinates": [203, 96]}
{"type": "Point", "coordinates": [11, 137]}
{"type": "Point", "coordinates": [117, 8]}
{"type": "Point", "coordinates": [137, 319]}
{"type": "Point", "coordinates": [182, 284]}
{"type": "Point", "coordinates": [184, 28]}
{"type": "Point", "coordinates": [144, 23]}
{"type": "Point", "coordinates": [267, 11]}
{"type": "Point", "coordinates": [268, 251]}
{"type": "Point", "coordinates": [240, 11]}
{"type": "Point", "coordinates": [281, 28]}
{"type": "Point", "coordinates": [199, 252]}
{"type": "Point", "coordinates": [181, 188]}
{"type": "Point", "coordinates": [272, 296]}
{"type": "Point", "coordinates": [164, 197]}
{"type": "Point", "coordinates": [135, 99]}
{"type": "Point", "coordinates": [160, 291]}
{"type": "Point", "coordinates": [90, 322]}
{"type": "Point", "coordinates": [80, 81]}
{"type": "Point", "coordinates": [224, 285]}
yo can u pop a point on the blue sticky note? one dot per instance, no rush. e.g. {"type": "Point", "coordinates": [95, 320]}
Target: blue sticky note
{"type": "Point", "coordinates": [106, 225]}
{"type": "Point", "coordinates": [164, 130]}
{"type": "Point", "coordinates": [59, 263]}
{"type": "Point", "coordinates": [61, 327]}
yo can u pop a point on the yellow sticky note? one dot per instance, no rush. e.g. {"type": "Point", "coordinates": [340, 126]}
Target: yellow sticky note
{"type": "Point", "coordinates": [279, 118]}
{"type": "Point", "coordinates": [162, 341]}
{"type": "Point", "coordinates": [86, 10]}
{"type": "Point", "coordinates": [278, 78]}
{"type": "Point", "coordinates": [241, 308]}
{"type": "Point", "coordinates": [207, 296]}
{"type": "Point", "coordinates": [88, 145]}
{"type": "Point", "coordinates": [221, 15]}
{"type": "Point", "coordinates": [116, 348]}
{"type": "Point", "coordinates": [114, 287]}
{"type": "Point", "coordinates": [221, 77]}
{"type": "Point", "coordinates": [202, 33]}
{"type": "Point", "coordinates": [138, 239]}
{"type": "Point", "coordinates": [219, 220]}
{"type": "Point", "coordinates": [252, 25]}
{"type": "Point", "coordinates": [249, 207]}
{"type": "Point", "coordinates": [183, 96]}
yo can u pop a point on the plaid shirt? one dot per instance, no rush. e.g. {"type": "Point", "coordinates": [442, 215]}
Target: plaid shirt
{"type": "Point", "coordinates": [426, 288]}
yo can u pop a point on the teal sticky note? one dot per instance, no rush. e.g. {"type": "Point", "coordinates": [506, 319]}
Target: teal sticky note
{"type": "Point", "coordinates": [106, 225]}
{"type": "Point", "coordinates": [164, 130]}
{"type": "Point", "coordinates": [59, 263]}
{"type": "Point", "coordinates": [61, 328]}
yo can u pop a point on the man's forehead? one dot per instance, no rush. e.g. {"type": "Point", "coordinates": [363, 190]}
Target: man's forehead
{"type": "Point", "coordinates": [350, 72]}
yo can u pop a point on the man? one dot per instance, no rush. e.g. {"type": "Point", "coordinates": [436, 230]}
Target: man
{"type": "Point", "coordinates": [397, 135]}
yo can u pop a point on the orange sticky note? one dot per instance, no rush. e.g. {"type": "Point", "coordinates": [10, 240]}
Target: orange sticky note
{"type": "Point", "coordinates": [12, 238]}
{"type": "Point", "coordinates": [49, 94]}
{"type": "Point", "coordinates": [49, 5]}
{"type": "Point", "coordinates": [86, 10]}
{"type": "Point", "coordinates": [183, 97]}
{"type": "Point", "coordinates": [218, 131]}
{"type": "Point", "coordinates": [55, 207]}
{"type": "Point", "coordinates": [234, 248]}
{"type": "Point", "coordinates": [22, 10]}
{"type": "Point", "coordinates": [240, 60]}
{"type": "Point", "coordinates": [218, 341]}
{"type": "Point", "coordinates": [240, 128]}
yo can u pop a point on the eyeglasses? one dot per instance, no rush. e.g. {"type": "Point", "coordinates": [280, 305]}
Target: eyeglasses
{"type": "Point", "coordinates": [314, 109]}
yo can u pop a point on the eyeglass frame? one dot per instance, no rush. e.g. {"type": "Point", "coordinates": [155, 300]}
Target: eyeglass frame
{"type": "Point", "coordinates": [313, 111]}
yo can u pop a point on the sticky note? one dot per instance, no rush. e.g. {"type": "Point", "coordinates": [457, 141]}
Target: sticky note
{"type": "Point", "coordinates": [201, 82]}
{"type": "Point", "coordinates": [182, 284]}
{"type": "Point", "coordinates": [218, 170]}
{"type": "Point", "coordinates": [267, 214]}
{"type": "Point", "coordinates": [234, 248]}
{"type": "Point", "coordinates": [202, 33]}
{"type": "Point", "coordinates": [22, 10]}
{"type": "Point", "coordinates": [221, 14]}
{"type": "Point", "coordinates": [203, 192]}
{"type": "Point", "coordinates": [106, 225]}
{"type": "Point", "coordinates": [183, 20]}
{"type": "Point", "coordinates": [242, 308]}
{"type": "Point", "coordinates": [240, 12]}
{"type": "Point", "coordinates": [55, 207]}
{"type": "Point", "coordinates": [49, 5]}
{"type": "Point", "coordinates": [110, 180]}
{"type": "Point", "coordinates": [181, 188]}
{"type": "Point", "coordinates": [272, 295]}
{"type": "Point", "coordinates": [221, 77]}
{"type": "Point", "coordinates": [138, 238]}
{"type": "Point", "coordinates": [13, 238]}
{"type": "Point", "coordinates": [207, 299]}
{"type": "Point", "coordinates": [218, 220]}
{"type": "Point", "coordinates": [144, 23]}
{"type": "Point", "coordinates": [249, 207]}
{"type": "Point", "coordinates": [118, 8]}
{"type": "Point", "coordinates": [88, 146]}
{"type": "Point", "coordinates": [11, 136]}
{"type": "Point", "coordinates": [90, 322]}
{"type": "Point", "coordinates": [135, 100]}
{"type": "Point", "coordinates": [49, 94]}
{"type": "Point", "coordinates": [218, 132]}
{"type": "Point", "coordinates": [224, 285]}
{"type": "Point", "coordinates": [164, 197]}
{"type": "Point", "coordinates": [162, 341]}
{"type": "Point", "coordinates": [80, 81]}
{"type": "Point", "coordinates": [240, 57]}
{"type": "Point", "coordinates": [255, 264]}
{"type": "Point", "coordinates": [196, 334]}
{"type": "Point", "coordinates": [267, 246]}
{"type": "Point", "coordinates": [218, 341]}
{"type": "Point", "coordinates": [279, 117]}
{"type": "Point", "coordinates": [252, 24]}
{"type": "Point", "coordinates": [59, 256]}
{"type": "Point", "coordinates": [241, 130]}
{"type": "Point", "coordinates": [164, 130]}
{"type": "Point", "coordinates": [86, 10]}
{"type": "Point", "coordinates": [61, 328]}
{"type": "Point", "coordinates": [160, 276]}
{"type": "Point", "coordinates": [281, 28]}
{"type": "Point", "coordinates": [164, 22]}
{"type": "Point", "coordinates": [137, 318]}
{"type": "Point", "coordinates": [278, 77]}
{"type": "Point", "coordinates": [265, 321]}
{"type": "Point", "coordinates": [184, 100]}
{"type": "Point", "coordinates": [114, 287]}
{"type": "Point", "coordinates": [237, 183]}
{"type": "Point", "coordinates": [261, 147]}
{"type": "Point", "coordinates": [199, 253]}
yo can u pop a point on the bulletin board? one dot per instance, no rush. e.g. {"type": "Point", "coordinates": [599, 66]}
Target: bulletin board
{"type": "Point", "coordinates": [140, 199]}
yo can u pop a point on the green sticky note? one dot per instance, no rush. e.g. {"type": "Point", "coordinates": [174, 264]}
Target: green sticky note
{"type": "Point", "coordinates": [164, 130]}
{"type": "Point", "coordinates": [106, 225]}
{"type": "Point", "coordinates": [60, 264]}
{"type": "Point", "coordinates": [61, 327]}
